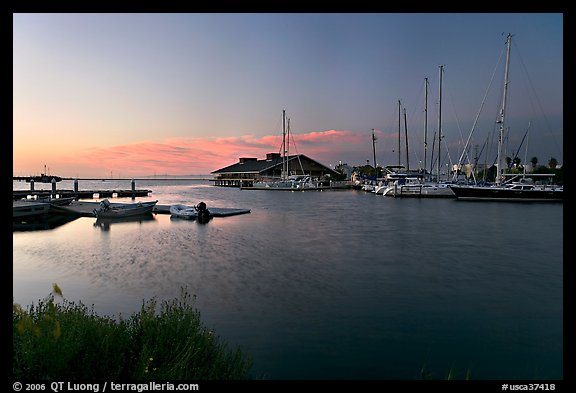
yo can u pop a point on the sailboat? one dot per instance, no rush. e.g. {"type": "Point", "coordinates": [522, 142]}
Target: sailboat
{"type": "Point", "coordinates": [516, 187]}
{"type": "Point", "coordinates": [287, 181]}
{"type": "Point", "coordinates": [413, 184]}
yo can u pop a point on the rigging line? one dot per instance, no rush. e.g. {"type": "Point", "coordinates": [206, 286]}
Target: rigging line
{"type": "Point", "coordinates": [433, 152]}
{"type": "Point", "coordinates": [531, 85]}
{"type": "Point", "coordinates": [281, 135]}
{"type": "Point", "coordinates": [446, 147]}
{"type": "Point", "coordinates": [521, 143]}
{"type": "Point", "coordinates": [526, 150]}
{"type": "Point", "coordinates": [453, 106]}
{"type": "Point", "coordinates": [460, 160]}
{"type": "Point", "coordinates": [291, 137]}
{"type": "Point", "coordinates": [412, 138]}
{"type": "Point", "coordinates": [414, 109]}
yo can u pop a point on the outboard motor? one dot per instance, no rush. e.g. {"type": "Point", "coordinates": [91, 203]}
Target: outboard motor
{"type": "Point", "coordinates": [204, 214]}
{"type": "Point", "coordinates": [104, 205]}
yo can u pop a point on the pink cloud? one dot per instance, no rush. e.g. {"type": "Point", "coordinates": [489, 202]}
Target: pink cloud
{"type": "Point", "coordinates": [202, 155]}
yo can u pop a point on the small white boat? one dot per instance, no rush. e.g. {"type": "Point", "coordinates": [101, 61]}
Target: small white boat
{"type": "Point", "coordinates": [199, 212]}
{"type": "Point", "coordinates": [120, 210]}
{"type": "Point", "coordinates": [183, 211]}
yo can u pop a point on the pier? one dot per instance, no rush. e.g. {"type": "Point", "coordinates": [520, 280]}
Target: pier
{"type": "Point", "coordinates": [79, 194]}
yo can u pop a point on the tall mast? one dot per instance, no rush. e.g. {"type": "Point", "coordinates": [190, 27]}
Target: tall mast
{"type": "Point", "coordinates": [399, 122]}
{"type": "Point", "coordinates": [406, 136]}
{"type": "Point", "coordinates": [287, 147]}
{"type": "Point", "coordinates": [374, 152]}
{"type": "Point", "coordinates": [441, 68]}
{"type": "Point", "coordinates": [425, 121]}
{"type": "Point", "coordinates": [500, 169]}
{"type": "Point", "coordinates": [283, 144]}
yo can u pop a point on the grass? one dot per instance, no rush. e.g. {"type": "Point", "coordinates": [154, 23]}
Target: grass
{"type": "Point", "coordinates": [59, 339]}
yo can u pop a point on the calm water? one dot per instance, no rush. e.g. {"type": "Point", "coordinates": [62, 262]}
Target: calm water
{"type": "Point", "coordinates": [328, 285]}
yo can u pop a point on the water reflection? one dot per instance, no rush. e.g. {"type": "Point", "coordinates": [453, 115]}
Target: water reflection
{"type": "Point", "coordinates": [372, 289]}
{"type": "Point", "coordinates": [40, 222]}
{"type": "Point", "coordinates": [105, 223]}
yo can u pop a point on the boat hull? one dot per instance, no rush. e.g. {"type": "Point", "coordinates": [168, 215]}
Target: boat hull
{"type": "Point", "coordinates": [26, 209]}
{"type": "Point", "coordinates": [125, 210]}
{"type": "Point", "coordinates": [507, 194]}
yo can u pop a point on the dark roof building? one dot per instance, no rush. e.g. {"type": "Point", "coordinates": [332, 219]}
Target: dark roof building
{"type": "Point", "coordinates": [249, 170]}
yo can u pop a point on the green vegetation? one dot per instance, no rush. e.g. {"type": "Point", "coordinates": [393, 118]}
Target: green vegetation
{"type": "Point", "coordinates": [58, 339]}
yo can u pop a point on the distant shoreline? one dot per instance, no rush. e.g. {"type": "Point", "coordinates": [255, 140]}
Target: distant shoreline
{"type": "Point", "coordinates": [20, 178]}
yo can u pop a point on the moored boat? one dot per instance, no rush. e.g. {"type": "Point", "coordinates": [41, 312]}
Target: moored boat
{"type": "Point", "coordinates": [64, 201]}
{"type": "Point", "coordinates": [25, 209]}
{"type": "Point", "coordinates": [518, 187]}
{"type": "Point", "coordinates": [183, 211]}
{"type": "Point", "coordinates": [516, 191]}
{"type": "Point", "coordinates": [107, 210]}
{"type": "Point", "coordinates": [199, 212]}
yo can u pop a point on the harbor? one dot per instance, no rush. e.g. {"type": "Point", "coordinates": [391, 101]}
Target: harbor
{"type": "Point", "coordinates": [297, 260]}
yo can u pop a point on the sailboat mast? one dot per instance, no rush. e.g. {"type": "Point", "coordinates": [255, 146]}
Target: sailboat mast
{"type": "Point", "coordinates": [284, 144]}
{"type": "Point", "coordinates": [441, 68]}
{"type": "Point", "coordinates": [499, 167]}
{"type": "Point", "coordinates": [374, 152]}
{"type": "Point", "coordinates": [287, 147]}
{"type": "Point", "coordinates": [406, 136]}
{"type": "Point", "coordinates": [425, 121]}
{"type": "Point", "coordinates": [399, 122]}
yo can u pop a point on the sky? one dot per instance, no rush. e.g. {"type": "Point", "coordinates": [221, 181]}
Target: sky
{"type": "Point", "coordinates": [137, 94]}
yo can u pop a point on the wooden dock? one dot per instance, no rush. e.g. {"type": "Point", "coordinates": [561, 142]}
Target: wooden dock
{"type": "Point", "coordinates": [80, 194]}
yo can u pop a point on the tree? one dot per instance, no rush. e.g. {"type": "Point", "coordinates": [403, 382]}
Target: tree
{"type": "Point", "coordinates": [552, 163]}
{"type": "Point", "coordinates": [534, 162]}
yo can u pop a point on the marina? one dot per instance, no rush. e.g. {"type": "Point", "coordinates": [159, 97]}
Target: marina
{"type": "Point", "coordinates": [147, 247]}
{"type": "Point", "coordinates": [312, 296]}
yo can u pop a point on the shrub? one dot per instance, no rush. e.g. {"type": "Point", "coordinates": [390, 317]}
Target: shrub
{"type": "Point", "coordinates": [66, 340]}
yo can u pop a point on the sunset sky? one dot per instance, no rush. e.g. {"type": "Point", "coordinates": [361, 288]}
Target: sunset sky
{"type": "Point", "coordinates": [124, 95]}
